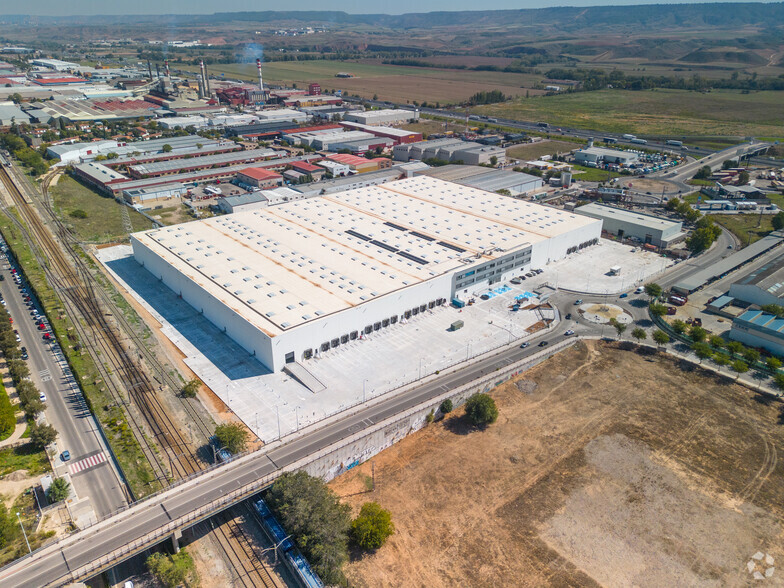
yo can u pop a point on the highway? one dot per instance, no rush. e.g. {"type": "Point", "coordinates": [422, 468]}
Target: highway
{"type": "Point", "coordinates": [66, 409]}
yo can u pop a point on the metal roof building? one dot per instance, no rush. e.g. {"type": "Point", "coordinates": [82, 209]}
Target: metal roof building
{"type": "Point", "coordinates": [483, 178]}
{"type": "Point", "coordinates": [763, 286]}
{"type": "Point", "coordinates": [723, 267]}
{"type": "Point", "coordinates": [161, 168]}
{"type": "Point", "coordinates": [290, 281]}
{"type": "Point", "coordinates": [759, 329]}
{"type": "Point", "coordinates": [621, 222]}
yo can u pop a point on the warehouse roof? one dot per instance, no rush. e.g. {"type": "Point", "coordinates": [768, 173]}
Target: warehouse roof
{"type": "Point", "coordinates": [481, 177]}
{"type": "Point", "coordinates": [283, 266]}
{"type": "Point", "coordinates": [628, 216]}
{"type": "Point", "coordinates": [99, 172]}
{"type": "Point", "coordinates": [769, 277]}
{"type": "Point", "coordinates": [258, 173]}
{"type": "Point", "coordinates": [220, 159]}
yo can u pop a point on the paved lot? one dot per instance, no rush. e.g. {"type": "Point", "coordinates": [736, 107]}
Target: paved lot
{"type": "Point", "coordinates": [588, 270]}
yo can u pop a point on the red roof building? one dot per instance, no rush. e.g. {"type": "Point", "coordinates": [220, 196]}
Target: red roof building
{"type": "Point", "coordinates": [259, 177]}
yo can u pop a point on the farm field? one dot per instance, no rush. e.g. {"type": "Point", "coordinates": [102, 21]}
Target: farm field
{"type": "Point", "coordinates": [104, 215]}
{"type": "Point", "coordinates": [655, 112]}
{"type": "Point", "coordinates": [388, 82]}
{"type": "Point", "coordinates": [533, 151]}
{"type": "Point", "coordinates": [605, 467]}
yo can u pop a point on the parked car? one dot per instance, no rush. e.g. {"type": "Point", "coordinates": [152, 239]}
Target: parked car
{"type": "Point", "coordinates": [578, 302]}
{"type": "Point", "coordinates": [47, 337]}
{"type": "Point", "coordinates": [568, 316]}
{"type": "Point", "coordinates": [42, 397]}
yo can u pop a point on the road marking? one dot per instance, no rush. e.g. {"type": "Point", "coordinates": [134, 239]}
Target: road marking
{"type": "Point", "coordinates": [87, 463]}
{"type": "Point", "coordinates": [45, 375]}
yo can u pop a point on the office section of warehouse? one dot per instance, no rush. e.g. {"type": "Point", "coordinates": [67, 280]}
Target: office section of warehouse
{"type": "Point", "coordinates": [293, 281]}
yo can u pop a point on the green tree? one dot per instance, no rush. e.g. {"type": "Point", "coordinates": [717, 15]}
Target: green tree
{"type": "Point", "coordinates": [42, 435]}
{"type": "Point", "coordinates": [9, 527]}
{"type": "Point", "coordinates": [619, 327]}
{"type": "Point", "coordinates": [446, 406]}
{"type": "Point", "coordinates": [751, 355]}
{"type": "Point", "coordinates": [661, 338]}
{"type": "Point", "coordinates": [773, 309]}
{"type": "Point", "coordinates": [698, 333]}
{"type": "Point", "coordinates": [657, 310]}
{"type": "Point", "coordinates": [481, 409]}
{"type": "Point", "coordinates": [59, 490]}
{"type": "Point", "coordinates": [778, 221]}
{"type": "Point", "coordinates": [721, 359]}
{"type": "Point", "coordinates": [739, 367]}
{"type": "Point", "coordinates": [679, 326]}
{"type": "Point", "coordinates": [778, 381]}
{"type": "Point", "coordinates": [703, 173]}
{"type": "Point", "coordinates": [78, 213]}
{"type": "Point", "coordinates": [190, 389]}
{"type": "Point", "coordinates": [653, 290]}
{"type": "Point", "coordinates": [743, 178]}
{"type": "Point", "coordinates": [735, 347]}
{"type": "Point", "coordinates": [316, 519]}
{"type": "Point", "coordinates": [717, 341]}
{"type": "Point", "coordinates": [372, 527]}
{"type": "Point", "coordinates": [173, 570]}
{"type": "Point", "coordinates": [493, 160]}
{"type": "Point", "coordinates": [232, 436]}
{"type": "Point", "coordinates": [773, 363]}
{"type": "Point", "coordinates": [166, 148]}
{"type": "Point", "coordinates": [639, 334]}
{"type": "Point", "coordinates": [702, 350]}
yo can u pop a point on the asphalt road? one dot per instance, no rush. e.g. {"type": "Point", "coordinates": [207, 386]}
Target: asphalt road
{"type": "Point", "coordinates": [65, 410]}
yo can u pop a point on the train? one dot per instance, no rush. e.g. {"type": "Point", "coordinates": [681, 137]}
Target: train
{"type": "Point", "coordinates": [4, 160]}
{"type": "Point", "coordinates": [298, 563]}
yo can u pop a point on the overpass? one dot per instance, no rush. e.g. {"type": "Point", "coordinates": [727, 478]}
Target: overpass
{"type": "Point", "coordinates": [144, 524]}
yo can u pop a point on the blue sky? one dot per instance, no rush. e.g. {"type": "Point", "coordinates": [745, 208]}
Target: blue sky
{"type": "Point", "coordinates": [66, 7]}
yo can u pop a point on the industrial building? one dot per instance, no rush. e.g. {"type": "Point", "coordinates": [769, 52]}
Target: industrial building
{"type": "Point", "coordinates": [449, 149]}
{"type": "Point", "coordinates": [759, 329]}
{"type": "Point", "coordinates": [257, 177]}
{"type": "Point", "coordinates": [11, 113]}
{"type": "Point", "coordinates": [763, 286]}
{"type": "Point", "coordinates": [390, 116]}
{"type": "Point", "coordinates": [624, 223]}
{"type": "Point", "coordinates": [293, 281]}
{"type": "Point", "coordinates": [596, 156]}
{"type": "Point", "coordinates": [147, 198]}
{"type": "Point", "coordinates": [482, 178]}
{"type": "Point", "coordinates": [177, 166]}
{"type": "Point", "coordinates": [88, 151]}
{"type": "Point", "coordinates": [397, 135]}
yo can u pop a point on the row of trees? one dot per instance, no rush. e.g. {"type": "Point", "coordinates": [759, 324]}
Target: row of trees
{"type": "Point", "coordinates": [487, 97]}
{"type": "Point", "coordinates": [29, 396]}
{"type": "Point", "coordinates": [705, 230]}
{"type": "Point", "coordinates": [597, 79]}
{"type": "Point", "coordinates": [20, 150]}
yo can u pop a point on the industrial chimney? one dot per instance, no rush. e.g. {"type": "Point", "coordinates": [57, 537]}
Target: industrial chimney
{"type": "Point", "coordinates": [200, 77]}
{"type": "Point", "coordinates": [261, 82]}
{"type": "Point", "coordinates": [166, 66]}
{"type": "Point", "coordinates": [207, 89]}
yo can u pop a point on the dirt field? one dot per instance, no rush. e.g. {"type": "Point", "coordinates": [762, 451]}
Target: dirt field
{"type": "Point", "coordinates": [605, 467]}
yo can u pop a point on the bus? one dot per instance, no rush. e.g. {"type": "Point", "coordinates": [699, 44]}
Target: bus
{"type": "Point", "coordinates": [675, 143]}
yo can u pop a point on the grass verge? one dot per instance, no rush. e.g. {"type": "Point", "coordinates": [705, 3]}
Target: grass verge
{"type": "Point", "coordinates": [23, 457]}
{"type": "Point", "coordinates": [136, 468]}
{"type": "Point", "coordinates": [592, 174]}
{"type": "Point", "coordinates": [748, 228]}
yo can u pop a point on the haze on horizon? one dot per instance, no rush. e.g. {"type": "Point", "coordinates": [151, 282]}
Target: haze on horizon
{"type": "Point", "coordinates": [115, 7]}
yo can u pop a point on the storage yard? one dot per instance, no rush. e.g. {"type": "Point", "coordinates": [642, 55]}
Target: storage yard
{"type": "Point", "coordinates": [591, 476]}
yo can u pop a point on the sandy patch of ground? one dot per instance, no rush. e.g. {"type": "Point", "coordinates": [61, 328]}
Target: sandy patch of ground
{"type": "Point", "coordinates": [606, 467]}
{"type": "Point", "coordinates": [13, 484]}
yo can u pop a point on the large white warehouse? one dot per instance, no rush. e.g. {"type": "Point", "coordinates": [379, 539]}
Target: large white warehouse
{"type": "Point", "coordinates": [295, 280]}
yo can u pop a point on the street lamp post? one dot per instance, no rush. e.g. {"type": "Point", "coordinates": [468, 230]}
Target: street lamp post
{"type": "Point", "coordinates": [277, 414]}
{"type": "Point", "coordinates": [24, 532]}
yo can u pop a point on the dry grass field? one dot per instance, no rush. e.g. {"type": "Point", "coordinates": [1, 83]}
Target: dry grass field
{"type": "Point", "coordinates": [532, 151]}
{"type": "Point", "coordinates": [606, 467]}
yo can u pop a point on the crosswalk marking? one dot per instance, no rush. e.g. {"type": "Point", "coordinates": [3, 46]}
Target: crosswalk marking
{"type": "Point", "coordinates": [87, 463]}
{"type": "Point", "coordinates": [45, 375]}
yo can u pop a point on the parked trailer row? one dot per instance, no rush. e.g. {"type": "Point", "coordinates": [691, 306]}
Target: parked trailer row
{"type": "Point", "coordinates": [298, 563]}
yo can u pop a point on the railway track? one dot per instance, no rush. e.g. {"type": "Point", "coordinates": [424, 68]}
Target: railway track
{"type": "Point", "coordinates": [238, 548]}
{"type": "Point", "coordinates": [82, 294]}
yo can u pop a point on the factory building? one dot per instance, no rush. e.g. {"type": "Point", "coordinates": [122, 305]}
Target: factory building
{"type": "Point", "coordinates": [259, 178]}
{"type": "Point", "coordinates": [88, 151]}
{"type": "Point", "coordinates": [596, 156]}
{"type": "Point", "coordinates": [397, 135]}
{"type": "Point", "coordinates": [390, 116]}
{"type": "Point", "coordinates": [763, 286]}
{"type": "Point", "coordinates": [334, 168]}
{"type": "Point", "coordinates": [759, 329]}
{"type": "Point", "coordinates": [177, 166]}
{"type": "Point", "coordinates": [149, 198]}
{"type": "Point", "coordinates": [297, 280]}
{"type": "Point", "coordinates": [482, 178]}
{"type": "Point", "coordinates": [624, 223]}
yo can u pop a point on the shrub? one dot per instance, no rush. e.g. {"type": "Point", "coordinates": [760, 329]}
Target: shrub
{"type": "Point", "coordinates": [372, 527]}
{"type": "Point", "coordinates": [446, 406]}
{"type": "Point", "coordinates": [173, 570]}
{"type": "Point", "coordinates": [78, 213]}
{"type": "Point", "coordinates": [232, 436]}
{"type": "Point", "coordinates": [190, 389]}
{"type": "Point", "coordinates": [42, 435]}
{"type": "Point", "coordinates": [59, 490]}
{"type": "Point", "coordinates": [481, 409]}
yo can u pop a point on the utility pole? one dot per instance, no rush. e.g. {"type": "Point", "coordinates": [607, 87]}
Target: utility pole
{"type": "Point", "coordinates": [24, 532]}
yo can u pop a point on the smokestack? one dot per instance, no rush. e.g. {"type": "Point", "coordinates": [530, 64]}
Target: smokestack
{"type": "Point", "coordinates": [166, 66]}
{"type": "Point", "coordinates": [261, 82]}
{"type": "Point", "coordinates": [207, 89]}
